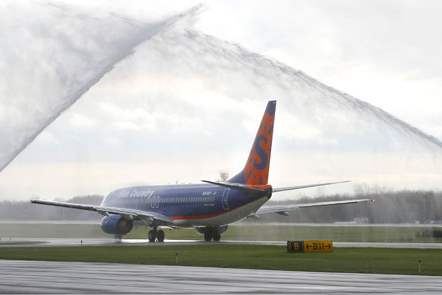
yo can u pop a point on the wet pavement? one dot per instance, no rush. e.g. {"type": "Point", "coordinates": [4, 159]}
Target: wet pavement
{"type": "Point", "coordinates": [31, 242]}
{"type": "Point", "coordinates": [41, 277]}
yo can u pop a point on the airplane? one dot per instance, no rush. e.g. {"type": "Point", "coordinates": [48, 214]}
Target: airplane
{"type": "Point", "coordinates": [208, 207]}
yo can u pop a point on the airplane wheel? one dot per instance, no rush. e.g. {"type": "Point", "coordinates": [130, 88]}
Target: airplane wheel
{"type": "Point", "coordinates": [160, 236]}
{"type": "Point", "coordinates": [216, 236]}
{"type": "Point", "coordinates": [208, 236]}
{"type": "Point", "coordinates": [152, 236]}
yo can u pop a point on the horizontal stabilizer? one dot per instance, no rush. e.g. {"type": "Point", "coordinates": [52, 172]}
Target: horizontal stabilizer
{"type": "Point", "coordinates": [240, 186]}
{"type": "Point", "coordinates": [289, 188]}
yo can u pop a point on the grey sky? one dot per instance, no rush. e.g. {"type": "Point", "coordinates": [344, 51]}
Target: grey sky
{"type": "Point", "coordinates": [151, 122]}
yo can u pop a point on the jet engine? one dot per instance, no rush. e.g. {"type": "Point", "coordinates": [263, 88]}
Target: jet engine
{"type": "Point", "coordinates": [116, 224]}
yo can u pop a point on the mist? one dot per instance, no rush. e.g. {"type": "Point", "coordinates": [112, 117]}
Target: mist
{"type": "Point", "coordinates": [51, 56]}
{"type": "Point", "coordinates": [158, 91]}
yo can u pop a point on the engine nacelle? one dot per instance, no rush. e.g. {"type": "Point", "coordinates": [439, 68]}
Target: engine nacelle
{"type": "Point", "coordinates": [116, 224]}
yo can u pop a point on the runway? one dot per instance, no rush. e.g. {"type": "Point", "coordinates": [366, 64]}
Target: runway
{"type": "Point", "coordinates": [41, 277]}
{"type": "Point", "coordinates": [32, 242]}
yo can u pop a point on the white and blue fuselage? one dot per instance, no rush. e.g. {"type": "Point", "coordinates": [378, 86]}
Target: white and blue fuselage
{"type": "Point", "coordinates": [190, 205]}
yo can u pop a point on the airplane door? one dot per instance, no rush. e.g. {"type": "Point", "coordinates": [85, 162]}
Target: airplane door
{"type": "Point", "coordinates": [154, 201]}
{"type": "Point", "coordinates": [225, 199]}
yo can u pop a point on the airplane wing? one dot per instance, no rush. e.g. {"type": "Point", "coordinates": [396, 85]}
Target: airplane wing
{"type": "Point", "coordinates": [284, 210]}
{"type": "Point", "coordinates": [289, 188]}
{"type": "Point", "coordinates": [145, 216]}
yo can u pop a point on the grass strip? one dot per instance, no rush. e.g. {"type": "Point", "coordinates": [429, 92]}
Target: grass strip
{"type": "Point", "coordinates": [359, 260]}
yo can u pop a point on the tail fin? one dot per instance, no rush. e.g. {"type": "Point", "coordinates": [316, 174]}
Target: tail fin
{"type": "Point", "coordinates": [256, 170]}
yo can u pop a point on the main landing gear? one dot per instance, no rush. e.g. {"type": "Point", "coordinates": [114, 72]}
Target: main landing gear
{"type": "Point", "coordinates": [156, 235]}
{"type": "Point", "coordinates": [212, 233]}
{"type": "Point", "coordinates": [118, 238]}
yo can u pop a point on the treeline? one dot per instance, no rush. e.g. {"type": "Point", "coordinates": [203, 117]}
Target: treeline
{"type": "Point", "coordinates": [389, 207]}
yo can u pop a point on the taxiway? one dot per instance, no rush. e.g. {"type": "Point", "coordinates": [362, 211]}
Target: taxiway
{"type": "Point", "coordinates": [32, 242]}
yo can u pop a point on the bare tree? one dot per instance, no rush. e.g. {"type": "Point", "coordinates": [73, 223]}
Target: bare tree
{"type": "Point", "coordinates": [223, 175]}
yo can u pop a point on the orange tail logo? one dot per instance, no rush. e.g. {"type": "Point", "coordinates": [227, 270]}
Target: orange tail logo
{"type": "Point", "coordinates": [256, 170]}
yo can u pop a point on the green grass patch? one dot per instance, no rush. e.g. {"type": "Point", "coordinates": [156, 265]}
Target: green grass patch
{"type": "Point", "coordinates": [283, 232]}
{"type": "Point", "coordinates": [361, 260]}
{"type": "Point", "coordinates": [15, 243]}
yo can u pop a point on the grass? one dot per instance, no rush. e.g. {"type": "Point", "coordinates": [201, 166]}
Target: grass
{"type": "Point", "coordinates": [239, 232]}
{"type": "Point", "coordinates": [308, 232]}
{"type": "Point", "coordinates": [14, 243]}
{"type": "Point", "coordinates": [361, 260]}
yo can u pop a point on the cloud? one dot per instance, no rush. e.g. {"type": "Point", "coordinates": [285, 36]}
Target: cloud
{"type": "Point", "coordinates": [383, 52]}
{"type": "Point", "coordinates": [82, 121]}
